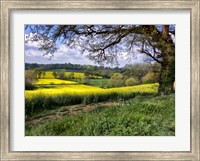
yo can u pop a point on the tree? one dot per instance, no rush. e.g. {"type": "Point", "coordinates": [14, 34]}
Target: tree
{"type": "Point", "coordinates": [104, 73]}
{"type": "Point", "coordinates": [90, 72]}
{"type": "Point", "coordinates": [61, 74]}
{"type": "Point", "coordinates": [104, 44]}
{"type": "Point", "coordinates": [102, 84]}
{"type": "Point", "coordinates": [39, 72]}
{"type": "Point", "coordinates": [87, 73]}
{"type": "Point", "coordinates": [137, 71]}
{"type": "Point", "coordinates": [116, 80]}
{"type": "Point", "coordinates": [130, 82]}
{"type": "Point", "coordinates": [71, 75]}
{"type": "Point", "coordinates": [43, 73]}
{"type": "Point", "coordinates": [55, 74]}
{"type": "Point", "coordinates": [30, 79]}
{"type": "Point", "coordinates": [150, 77]}
{"type": "Point", "coordinates": [86, 81]}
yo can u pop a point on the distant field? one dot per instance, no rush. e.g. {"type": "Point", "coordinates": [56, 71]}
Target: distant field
{"type": "Point", "coordinates": [48, 75]}
{"type": "Point", "coordinates": [98, 82]}
{"type": "Point", "coordinates": [54, 81]}
{"type": "Point", "coordinates": [76, 75]}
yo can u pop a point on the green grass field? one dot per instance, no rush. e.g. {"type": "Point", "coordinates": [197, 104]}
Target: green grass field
{"type": "Point", "coordinates": [98, 82]}
{"type": "Point", "coordinates": [141, 116]}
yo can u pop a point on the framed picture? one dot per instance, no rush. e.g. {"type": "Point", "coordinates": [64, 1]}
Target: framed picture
{"type": "Point", "coordinates": [100, 80]}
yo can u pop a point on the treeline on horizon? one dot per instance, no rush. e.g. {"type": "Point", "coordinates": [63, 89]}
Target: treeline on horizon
{"type": "Point", "coordinates": [79, 67]}
{"type": "Point", "coordinates": [68, 66]}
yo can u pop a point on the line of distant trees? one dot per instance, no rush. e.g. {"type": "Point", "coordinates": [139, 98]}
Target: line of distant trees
{"type": "Point", "coordinates": [68, 66]}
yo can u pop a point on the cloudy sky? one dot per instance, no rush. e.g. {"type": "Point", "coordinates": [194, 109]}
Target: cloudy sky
{"type": "Point", "coordinates": [63, 55]}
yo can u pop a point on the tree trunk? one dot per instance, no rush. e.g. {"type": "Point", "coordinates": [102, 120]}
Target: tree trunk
{"type": "Point", "coordinates": [167, 74]}
{"type": "Point", "coordinates": [166, 82]}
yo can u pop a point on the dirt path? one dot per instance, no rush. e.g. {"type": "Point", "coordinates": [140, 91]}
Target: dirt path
{"type": "Point", "coordinates": [67, 110]}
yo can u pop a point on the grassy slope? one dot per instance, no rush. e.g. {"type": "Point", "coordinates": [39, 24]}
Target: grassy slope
{"type": "Point", "coordinates": [141, 116]}
{"type": "Point", "coordinates": [99, 82]}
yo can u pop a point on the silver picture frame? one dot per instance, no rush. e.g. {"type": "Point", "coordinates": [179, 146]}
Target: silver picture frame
{"type": "Point", "coordinates": [192, 5]}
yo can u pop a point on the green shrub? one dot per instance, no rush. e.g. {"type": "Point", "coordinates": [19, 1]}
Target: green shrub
{"type": "Point", "coordinates": [30, 79]}
{"type": "Point", "coordinates": [116, 80]}
{"type": "Point", "coordinates": [130, 82]}
{"type": "Point", "coordinates": [150, 77]}
{"type": "Point", "coordinates": [61, 74]}
{"type": "Point", "coordinates": [29, 85]}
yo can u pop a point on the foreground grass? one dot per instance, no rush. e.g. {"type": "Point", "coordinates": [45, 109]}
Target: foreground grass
{"type": "Point", "coordinates": [141, 116]}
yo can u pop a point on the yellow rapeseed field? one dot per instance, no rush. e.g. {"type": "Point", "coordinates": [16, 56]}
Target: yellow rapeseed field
{"type": "Point", "coordinates": [73, 88]}
{"type": "Point", "coordinates": [147, 88]}
{"type": "Point", "coordinates": [77, 75]}
{"type": "Point", "coordinates": [48, 75]}
{"type": "Point", "coordinates": [54, 81]}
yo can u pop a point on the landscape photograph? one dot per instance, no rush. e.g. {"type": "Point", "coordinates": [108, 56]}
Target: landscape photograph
{"type": "Point", "coordinates": [99, 80]}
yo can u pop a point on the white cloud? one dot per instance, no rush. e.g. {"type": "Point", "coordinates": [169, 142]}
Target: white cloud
{"type": "Point", "coordinates": [66, 55]}
{"type": "Point", "coordinates": [63, 55]}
